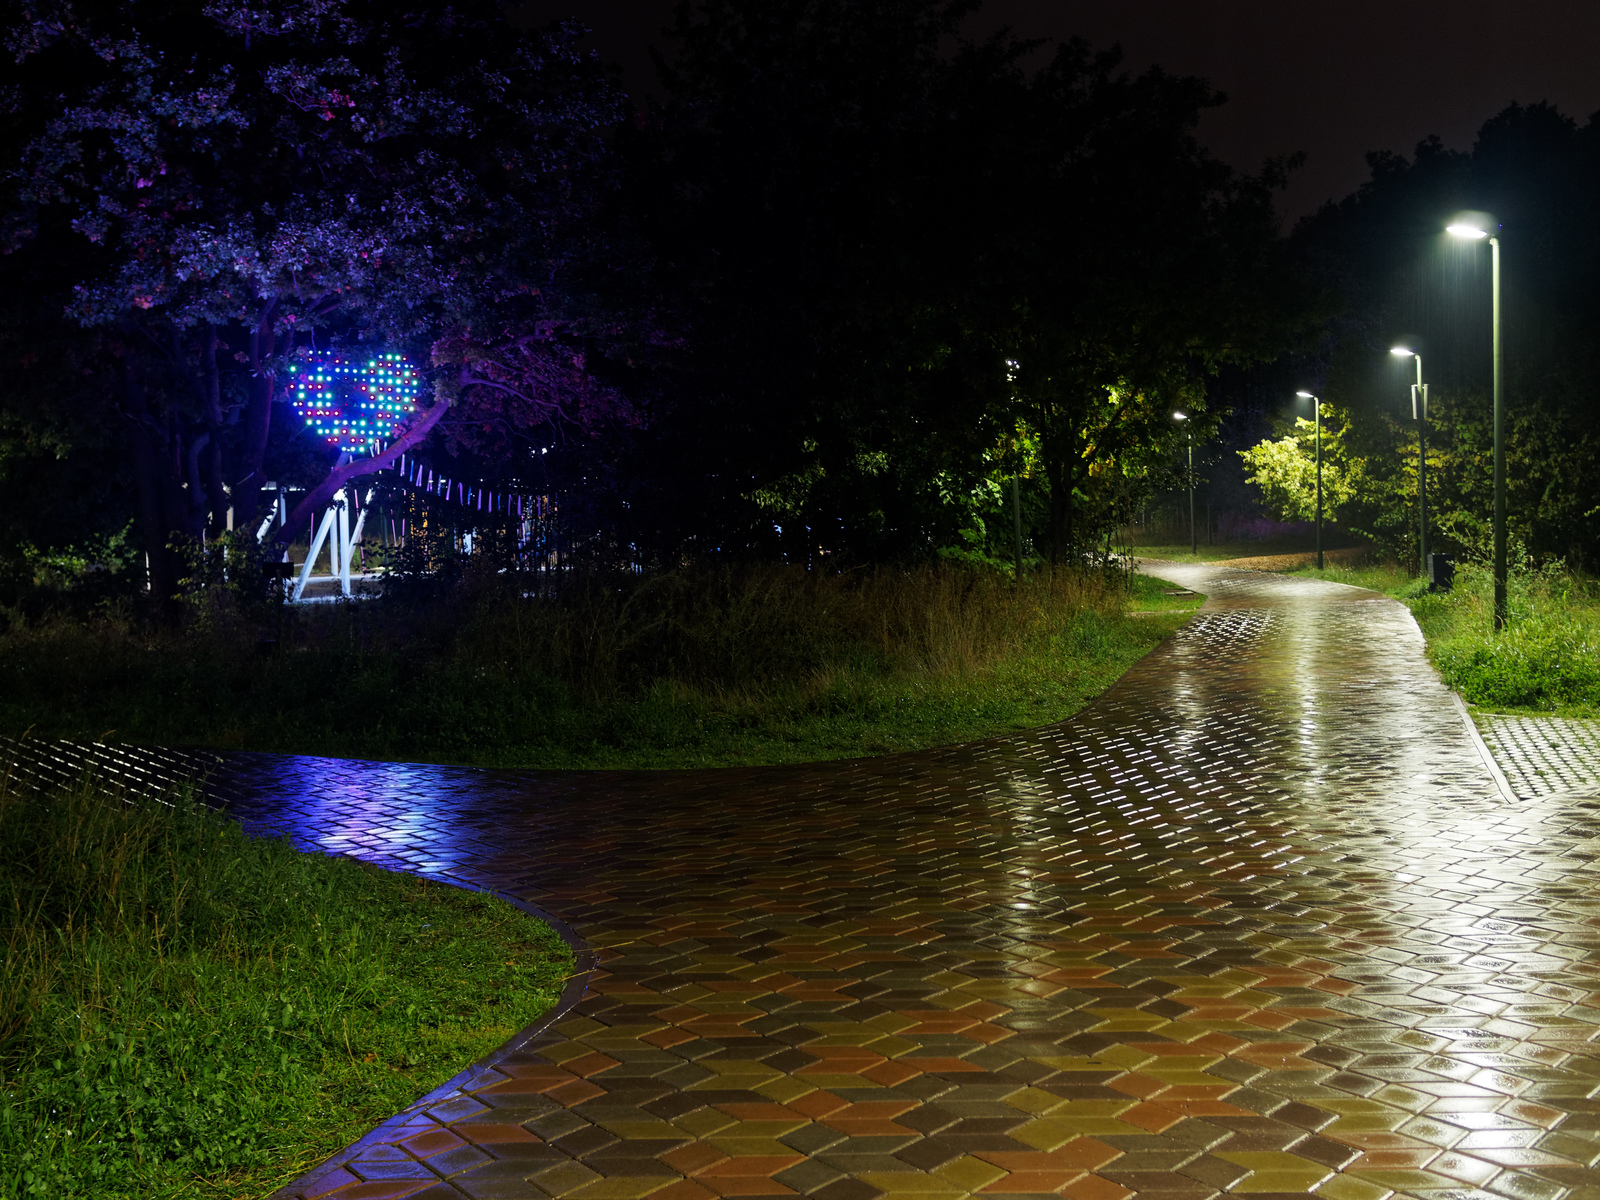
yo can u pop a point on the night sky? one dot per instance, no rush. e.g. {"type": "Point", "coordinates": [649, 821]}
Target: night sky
{"type": "Point", "coordinates": [1334, 79]}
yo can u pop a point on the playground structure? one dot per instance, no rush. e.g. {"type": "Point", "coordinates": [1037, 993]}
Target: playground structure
{"type": "Point", "coordinates": [357, 404]}
{"type": "Point", "coordinates": [335, 535]}
{"type": "Point", "coordinates": [334, 530]}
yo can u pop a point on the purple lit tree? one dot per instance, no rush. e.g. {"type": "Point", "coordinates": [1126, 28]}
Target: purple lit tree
{"type": "Point", "coordinates": [209, 186]}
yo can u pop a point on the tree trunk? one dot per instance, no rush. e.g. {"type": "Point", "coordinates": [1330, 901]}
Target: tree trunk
{"type": "Point", "coordinates": [257, 419]}
{"type": "Point", "coordinates": [211, 464]}
{"type": "Point", "coordinates": [1060, 469]}
{"type": "Point", "coordinates": [216, 494]}
{"type": "Point", "coordinates": [339, 476]}
{"type": "Point", "coordinates": [155, 465]}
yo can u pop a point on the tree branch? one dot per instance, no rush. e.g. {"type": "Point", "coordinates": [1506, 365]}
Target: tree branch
{"type": "Point", "coordinates": [339, 476]}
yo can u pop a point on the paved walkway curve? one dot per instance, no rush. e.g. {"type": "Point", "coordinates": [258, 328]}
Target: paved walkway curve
{"type": "Point", "coordinates": [1258, 922]}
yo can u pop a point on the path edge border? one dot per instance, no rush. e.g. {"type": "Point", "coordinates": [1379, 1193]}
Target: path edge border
{"type": "Point", "coordinates": [1507, 792]}
{"type": "Point", "coordinates": [585, 960]}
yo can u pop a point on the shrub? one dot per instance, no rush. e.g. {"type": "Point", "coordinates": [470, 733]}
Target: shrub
{"type": "Point", "coordinates": [1533, 665]}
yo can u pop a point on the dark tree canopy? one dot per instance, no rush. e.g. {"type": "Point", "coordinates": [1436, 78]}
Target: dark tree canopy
{"type": "Point", "coordinates": [203, 188]}
{"type": "Point", "coordinates": [859, 269]}
{"type": "Point", "coordinates": [869, 218]}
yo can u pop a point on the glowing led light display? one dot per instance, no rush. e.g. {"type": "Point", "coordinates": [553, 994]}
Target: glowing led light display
{"type": "Point", "coordinates": [354, 402]}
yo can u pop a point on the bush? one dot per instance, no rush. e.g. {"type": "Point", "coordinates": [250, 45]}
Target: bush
{"type": "Point", "coordinates": [1531, 665]}
{"type": "Point", "coordinates": [1547, 657]}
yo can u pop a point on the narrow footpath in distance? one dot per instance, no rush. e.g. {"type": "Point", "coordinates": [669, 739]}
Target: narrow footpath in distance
{"type": "Point", "coordinates": [1258, 922]}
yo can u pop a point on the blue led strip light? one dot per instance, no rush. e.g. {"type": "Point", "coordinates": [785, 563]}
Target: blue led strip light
{"type": "Point", "coordinates": [354, 402]}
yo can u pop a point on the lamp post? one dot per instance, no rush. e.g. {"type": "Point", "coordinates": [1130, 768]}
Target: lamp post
{"type": "Point", "coordinates": [1012, 367]}
{"type": "Point", "coordinates": [1316, 406]}
{"type": "Point", "coordinates": [1476, 227]}
{"type": "Point", "coordinates": [1419, 393]}
{"type": "Point", "coordinates": [1194, 537]}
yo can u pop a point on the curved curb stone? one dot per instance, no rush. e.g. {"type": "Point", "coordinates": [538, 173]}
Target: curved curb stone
{"type": "Point", "coordinates": [330, 1174]}
{"type": "Point", "coordinates": [1259, 922]}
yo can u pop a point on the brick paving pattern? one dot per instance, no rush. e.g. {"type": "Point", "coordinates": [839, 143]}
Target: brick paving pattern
{"type": "Point", "coordinates": [1544, 755]}
{"type": "Point", "coordinates": [1258, 923]}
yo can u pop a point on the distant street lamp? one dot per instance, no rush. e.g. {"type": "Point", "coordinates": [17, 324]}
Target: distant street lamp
{"type": "Point", "coordinates": [1475, 226]}
{"type": "Point", "coordinates": [1194, 537]}
{"type": "Point", "coordinates": [1419, 394]}
{"type": "Point", "coordinates": [1316, 405]}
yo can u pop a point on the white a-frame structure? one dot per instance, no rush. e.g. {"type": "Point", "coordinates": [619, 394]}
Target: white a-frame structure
{"type": "Point", "coordinates": [334, 530]}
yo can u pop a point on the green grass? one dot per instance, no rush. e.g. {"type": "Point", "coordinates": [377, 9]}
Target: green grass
{"type": "Point", "coordinates": [186, 1011]}
{"type": "Point", "coordinates": [1207, 553]}
{"type": "Point", "coordinates": [1385, 577]}
{"type": "Point", "coordinates": [765, 665]}
{"type": "Point", "coordinates": [1149, 596]}
{"type": "Point", "coordinates": [1546, 661]}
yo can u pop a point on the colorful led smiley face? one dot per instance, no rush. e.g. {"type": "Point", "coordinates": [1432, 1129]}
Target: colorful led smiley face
{"type": "Point", "coordinates": [354, 401]}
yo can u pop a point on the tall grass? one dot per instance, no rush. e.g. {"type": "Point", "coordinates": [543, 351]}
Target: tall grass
{"type": "Point", "coordinates": [682, 668]}
{"type": "Point", "coordinates": [186, 1010]}
{"type": "Point", "coordinates": [754, 629]}
{"type": "Point", "coordinates": [1547, 658]}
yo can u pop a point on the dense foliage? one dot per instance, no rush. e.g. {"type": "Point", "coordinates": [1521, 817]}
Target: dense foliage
{"type": "Point", "coordinates": [861, 270]}
{"type": "Point", "coordinates": [194, 191]}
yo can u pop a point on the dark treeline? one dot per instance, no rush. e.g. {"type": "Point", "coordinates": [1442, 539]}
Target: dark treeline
{"type": "Point", "coordinates": [853, 273]}
{"type": "Point", "coordinates": [908, 267]}
{"type": "Point", "coordinates": [849, 277]}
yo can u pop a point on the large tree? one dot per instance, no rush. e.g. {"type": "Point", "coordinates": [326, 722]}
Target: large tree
{"type": "Point", "coordinates": [207, 187]}
{"type": "Point", "coordinates": [1136, 266]}
{"type": "Point", "coordinates": [871, 217]}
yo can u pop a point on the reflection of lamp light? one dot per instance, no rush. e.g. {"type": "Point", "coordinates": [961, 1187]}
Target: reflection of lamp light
{"type": "Point", "coordinates": [1316, 405]}
{"type": "Point", "coordinates": [1419, 392]}
{"type": "Point", "coordinates": [1474, 227]}
{"type": "Point", "coordinates": [1194, 537]}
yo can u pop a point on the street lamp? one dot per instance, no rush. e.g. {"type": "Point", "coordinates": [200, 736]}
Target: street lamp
{"type": "Point", "coordinates": [1475, 226]}
{"type": "Point", "coordinates": [1419, 392]}
{"type": "Point", "coordinates": [1194, 537]}
{"type": "Point", "coordinates": [1316, 405]}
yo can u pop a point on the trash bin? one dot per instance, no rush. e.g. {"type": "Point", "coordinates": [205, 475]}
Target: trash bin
{"type": "Point", "coordinates": [1441, 573]}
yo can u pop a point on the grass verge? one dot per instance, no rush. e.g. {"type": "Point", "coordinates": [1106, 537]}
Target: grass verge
{"type": "Point", "coordinates": [761, 665]}
{"type": "Point", "coordinates": [187, 1011]}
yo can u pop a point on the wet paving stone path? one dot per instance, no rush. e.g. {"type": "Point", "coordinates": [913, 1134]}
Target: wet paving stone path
{"type": "Point", "coordinates": [1259, 922]}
